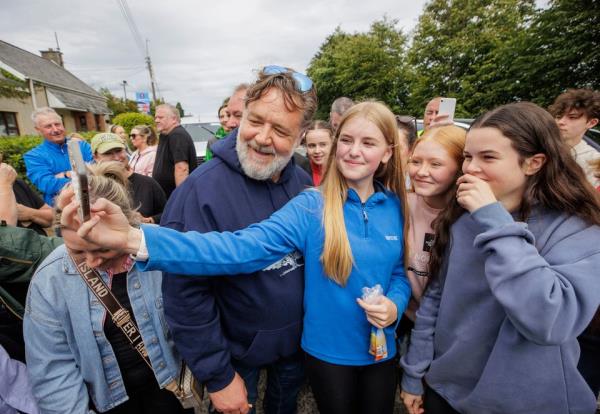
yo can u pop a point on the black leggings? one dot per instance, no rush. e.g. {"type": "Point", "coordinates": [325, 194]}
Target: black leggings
{"type": "Point", "coordinates": [435, 404]}
{"type": "Point", "coordinates": [348, 389]}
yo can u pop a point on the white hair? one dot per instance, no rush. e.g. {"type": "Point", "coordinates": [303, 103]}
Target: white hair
{"type": "Point", "coordinates": [43, 111]}
{"type": "Point", "coordinates": [170, 108]}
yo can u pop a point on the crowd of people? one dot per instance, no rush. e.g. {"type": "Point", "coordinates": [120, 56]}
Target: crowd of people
{"type": "Point", "coordinates": [481, 246]}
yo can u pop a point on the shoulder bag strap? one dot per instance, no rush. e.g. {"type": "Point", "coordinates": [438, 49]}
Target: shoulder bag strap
{"type": "Point", "coordinates": [120, 316]}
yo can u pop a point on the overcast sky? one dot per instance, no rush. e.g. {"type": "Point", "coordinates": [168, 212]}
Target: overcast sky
{"type": "Point", "coordinates": [200, 49]}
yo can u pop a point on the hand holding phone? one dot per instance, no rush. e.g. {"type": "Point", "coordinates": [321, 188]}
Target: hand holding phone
{"type": "Point", "coordinates": [79, 180]}
{"type": "Point", "coordinates": [447, 107]}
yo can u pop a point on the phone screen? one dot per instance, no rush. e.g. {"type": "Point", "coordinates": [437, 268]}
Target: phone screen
{"type": "Point", "coordinates": [447, 107]}
{"type": "Point", "coordinates": [79, 179]}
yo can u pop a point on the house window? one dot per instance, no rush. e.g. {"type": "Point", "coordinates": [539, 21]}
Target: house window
{"type": "Point", "coordinates": [83, 126]}
{"type": "Point", "coordinates": [8, 124]}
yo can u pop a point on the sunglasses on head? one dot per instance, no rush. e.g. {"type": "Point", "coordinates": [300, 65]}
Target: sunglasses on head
{"type": "Point", "coordinates": [303, 82]}
{"type": "Point", "coordinates": [407, 120]}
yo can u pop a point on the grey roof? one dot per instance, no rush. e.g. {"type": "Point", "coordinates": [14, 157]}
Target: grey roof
{"type": "Point", "coordinates": [49, 73]}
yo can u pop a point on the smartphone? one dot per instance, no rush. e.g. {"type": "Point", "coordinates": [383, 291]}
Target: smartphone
{"type": "Point", "coordinates": [79, 180]}
{"type": "Point", "coordinates": [447, 107]}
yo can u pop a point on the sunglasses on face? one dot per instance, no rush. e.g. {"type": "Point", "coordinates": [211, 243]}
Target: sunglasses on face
{"type": "Point", "coordinates": [303, 82]}
{"type": "Point", "coordinates": [134, 135]}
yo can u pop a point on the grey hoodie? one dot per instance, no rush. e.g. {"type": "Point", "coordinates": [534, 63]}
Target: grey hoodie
{"type": "Point", "coordinates": [500, 337]}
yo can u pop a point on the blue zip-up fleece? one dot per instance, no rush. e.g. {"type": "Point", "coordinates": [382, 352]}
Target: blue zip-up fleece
{"type": "Point", "coordinates": [336, 329]}
{"type": "Point", "coordinates": [256, 319]}
{"type": "Point", "coordinates": [501, 335]}
{"type": "Point", "coordinates": [48, 159]}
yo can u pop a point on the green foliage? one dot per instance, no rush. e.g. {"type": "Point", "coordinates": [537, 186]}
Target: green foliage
{"type": "Point", "coordinates": [13, 148]}
{"type": "Point", "coordinates": [466, 50]}
{"type": "Point", "coordinates": [118, 105]}
{"type": "Point", "coordinates": [180, 109]}
{"type": "Point", "coordinates": [131, 119]}
{"type": "Point", "coordinates": [154, 104]}
{"type": "Point", "coordinates": [12, 87]}
{"type": "Point", "coordinates": [361, 66]}
{"type": "Point", "coordinates": [562, 50]}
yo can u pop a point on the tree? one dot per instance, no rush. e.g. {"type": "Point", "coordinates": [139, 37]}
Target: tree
{"type": "Point", "coordinates": [465, 49]}
{"type": "Point", "coordinates": [11, 86]}
{"type": "Point", "coordinates": [154, 104]}
{"type": "Point", "coordinates": [118, 105]}
{"type": "Point", "coordinates": [361, 66]}
{"type": "Point", "coordinates": [562, 51]}
{"type": "Point", "coordinates": [180, 109]}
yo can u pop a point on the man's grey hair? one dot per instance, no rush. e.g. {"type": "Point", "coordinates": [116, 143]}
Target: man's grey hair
{"type": "Point", "coordinates": [43, 111]}
{"type": "Point", "coordinates": [240, 87]}
{"type": "Point", "coordinates": [341, 105]}
{"type": "Point", "coordinates": [170, 108]}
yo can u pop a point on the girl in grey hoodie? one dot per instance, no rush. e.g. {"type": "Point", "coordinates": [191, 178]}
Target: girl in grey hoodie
{"type": "Point", "coordinates": [514, 277]}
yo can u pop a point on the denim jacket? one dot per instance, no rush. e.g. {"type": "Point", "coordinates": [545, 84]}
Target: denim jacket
{"type": "Point", "coordinates": [68, 355]}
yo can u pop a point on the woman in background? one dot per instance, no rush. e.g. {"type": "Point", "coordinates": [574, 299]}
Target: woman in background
{"type": "Point", "coordinates": [318, 140]}
{"type": "Point", "coordinates": [144, 140]}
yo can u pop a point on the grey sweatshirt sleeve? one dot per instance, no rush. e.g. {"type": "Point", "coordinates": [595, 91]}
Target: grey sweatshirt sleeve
{"type": "Point", "coordinates": [550, 297]}
{"type": "Point", "coordinates": [420, 350]}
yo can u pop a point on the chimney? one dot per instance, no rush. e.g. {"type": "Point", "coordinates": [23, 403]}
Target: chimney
{"type": "Point", "coordinates": [53, 55]}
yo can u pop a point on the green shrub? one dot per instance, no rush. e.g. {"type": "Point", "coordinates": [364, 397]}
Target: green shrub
{"type": "Point", "coordinates": [13, 149]}
{"type": "Point", "coordinates": [130, 119]}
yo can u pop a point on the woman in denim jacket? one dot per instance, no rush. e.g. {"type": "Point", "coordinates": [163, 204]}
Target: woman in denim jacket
{"type": "Point", "coordinates": [74, 350]}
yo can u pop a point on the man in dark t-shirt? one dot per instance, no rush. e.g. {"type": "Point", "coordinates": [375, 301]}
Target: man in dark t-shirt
{"type": "Point", "coordinates": [176, 155]}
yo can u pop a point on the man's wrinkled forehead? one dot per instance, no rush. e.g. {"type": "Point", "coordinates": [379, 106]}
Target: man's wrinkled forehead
{"type": "Point", "coordinates": [47, 120]}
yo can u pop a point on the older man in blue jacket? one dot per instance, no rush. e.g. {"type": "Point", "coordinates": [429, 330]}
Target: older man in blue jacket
{"type": "Point", "coordinates": [228, 328]}
{"type": "Point", "coordinates": [48, 165]}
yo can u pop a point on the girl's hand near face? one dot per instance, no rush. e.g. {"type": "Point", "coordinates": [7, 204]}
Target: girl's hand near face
{"type": "Point", "coordinates": [473, 193]}
{"type": "Point", "coordinates": [382, 314]}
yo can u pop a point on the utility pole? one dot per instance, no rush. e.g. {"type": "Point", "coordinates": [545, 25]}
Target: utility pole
{"type": "Point", "coordinates": [125, 90]}
{"type": "Point", "coordinates": [149, 63]}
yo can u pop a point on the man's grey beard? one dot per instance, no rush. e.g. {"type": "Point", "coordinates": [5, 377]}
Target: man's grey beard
{"type": "Point", "coordinates": [259, 171]}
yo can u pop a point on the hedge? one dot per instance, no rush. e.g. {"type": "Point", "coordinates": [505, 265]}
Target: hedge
{"type": "Point", "coordinates": [14, 147]}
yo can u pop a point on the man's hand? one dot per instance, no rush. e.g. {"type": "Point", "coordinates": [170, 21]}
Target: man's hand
{"type": "Point", "coordinates": [233, 399]}
{"type": "Point", "coordinates": [440, 120]}
{"type": "Point", "coordinates": [7, 175]}
{"type": "Point", "coordinates": [382, 314]}
{"type": "Point", "coordinates": [182, 170]}
{"type": "Point", "coordinates": [108, 227]}
{"type": "Point", "coordinates": [65, 174]}
{"type": "Point", "coordinates": [76, 137]}
{"type": "Point", "coordinates": [413, 403]}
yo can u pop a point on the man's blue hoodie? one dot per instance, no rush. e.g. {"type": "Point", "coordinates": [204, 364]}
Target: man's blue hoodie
{"type": "Point", "coordinates": [255, 319]}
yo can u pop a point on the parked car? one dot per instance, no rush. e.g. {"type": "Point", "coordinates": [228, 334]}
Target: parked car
{"type": "Point", "coordinates": [201, 133]}
{"type": "Point", "coordinates": [592, 136]}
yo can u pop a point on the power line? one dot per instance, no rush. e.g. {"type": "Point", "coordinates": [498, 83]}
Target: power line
{"type": "Point", "coordinates": [138, 40]}
{"type": "Point", "coordinates": [132, 26]}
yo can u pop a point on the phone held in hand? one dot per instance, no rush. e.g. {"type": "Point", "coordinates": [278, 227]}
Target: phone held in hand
{"type": "Point", "coordinates": [447, 107]}
{"type": "Point", "coordinates": [79, 180]}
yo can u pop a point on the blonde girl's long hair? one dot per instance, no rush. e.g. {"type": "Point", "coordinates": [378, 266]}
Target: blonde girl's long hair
{"type": "Point", "coordinates": [337, 256]}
